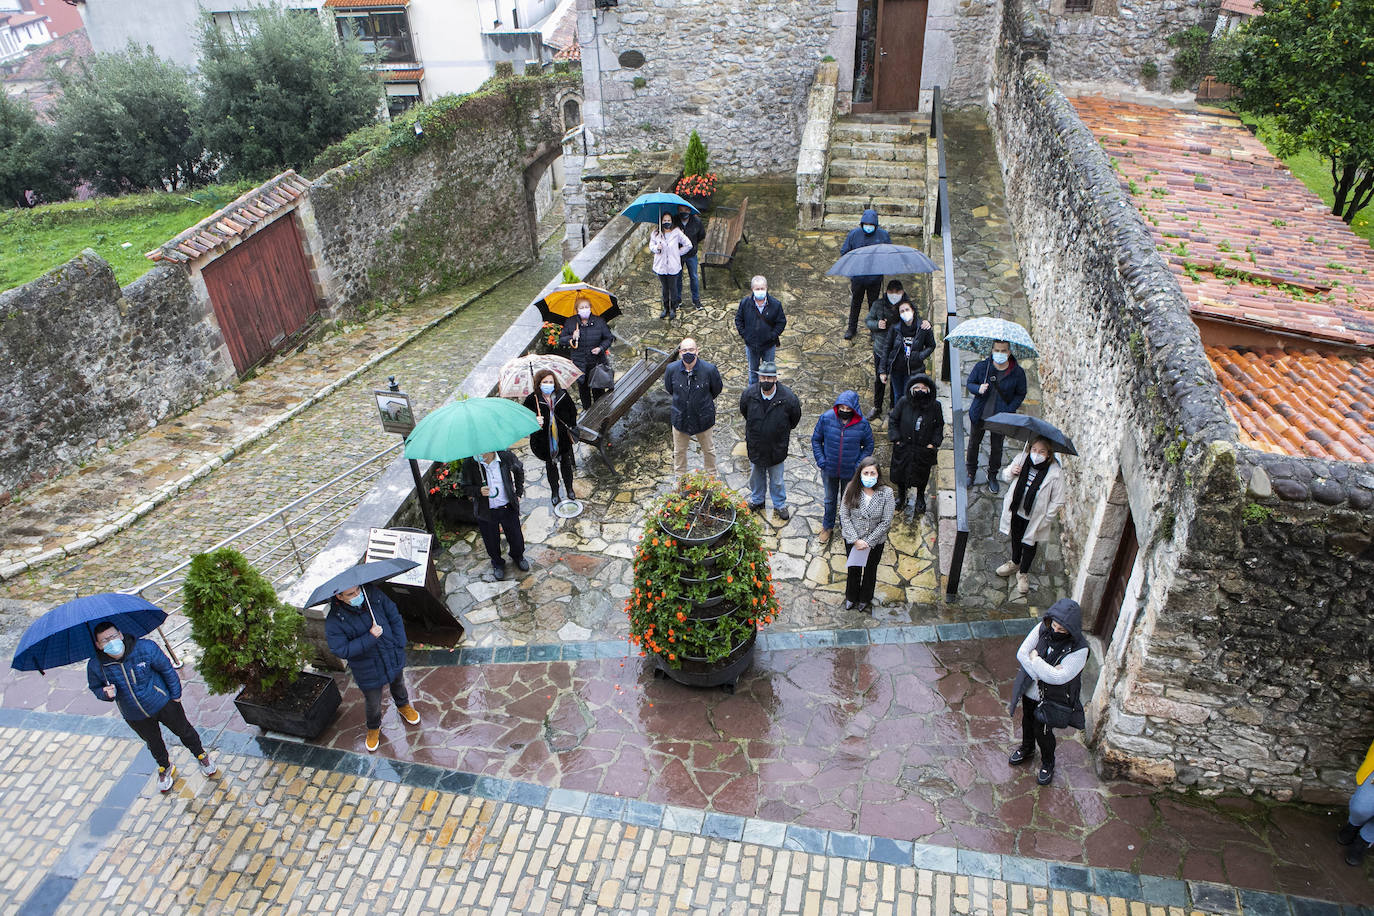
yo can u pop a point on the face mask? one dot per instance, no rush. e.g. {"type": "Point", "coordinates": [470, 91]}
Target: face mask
{"type": "Point", "coordinates": [760, 294]}
{"type": "Point", "coordinates": [667, 227]}
{"type": "Point", "coordinates": [894, 298]}
{"type": "Point", "coordinates": [114, 647]}
{"type": "Point", "coordinates": [767, 387]}
{"type": "Point", "coordinates": [1037, 458]}
{"type": "Point", "coordinates": [1000, 358]}
{"type": "Point", "coordinates": [546, 387]}
{"type": "Point", "coordinates": [688, 359]}
{"type": "Point", "coordinates": [584, 314]}
{"type": "Point", "coordinates": [868, 481]}
{"type": "Point", "coordinates": [845, 414]}
{"type": "Point", "coordinates": [356, 600]}
{"type": "Point", "coordinates": [920, 394]}
{"type": "Point", "coordinates": [868, 230]}
{"type": "Point", "coordinates": [906, 316]}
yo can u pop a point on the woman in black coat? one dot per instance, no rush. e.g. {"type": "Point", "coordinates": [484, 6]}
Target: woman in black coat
{"type": "Point", "coordinates": [590, 339]}
{"type": "Point", "coordinates": [909, 344]}
{"type": "Point", "coordinates": [918, 428]}
{"type": "Point", "coordinates": [552, 443]}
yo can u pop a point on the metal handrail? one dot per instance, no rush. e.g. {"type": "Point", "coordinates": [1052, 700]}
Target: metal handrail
{"type": "Point", "coordinates": [952, 371]}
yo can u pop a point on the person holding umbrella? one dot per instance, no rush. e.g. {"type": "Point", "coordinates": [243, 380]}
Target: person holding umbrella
{"type": "Point", "coordinates": [1036, 493]}
{"type": "Point", "coordinates": [998, 385]}
{"type": "Point", "coordinates": [364, 628]}
{"type": "Point", "coordinates": [553, 443]}
{"type": "Point", "coordinates": [495, 482]}
{"type": "Point", "coordinates": [138, 677]}
{"type": "Point", "coordinates": [668, 244]}
{"type": "Point", "coordinates": [589, 338]}
{"type": "Point", "coordinates": [867, 233]}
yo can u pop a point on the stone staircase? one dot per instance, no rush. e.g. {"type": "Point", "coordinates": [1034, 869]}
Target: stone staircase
{"type": "Point", "coordinates": [877, 161]}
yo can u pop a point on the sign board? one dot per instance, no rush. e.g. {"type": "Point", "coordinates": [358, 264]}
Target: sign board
{"type": "Point", "coordinates": [385, 543]}
{"type": "Point", "coordinates": [394, 408]}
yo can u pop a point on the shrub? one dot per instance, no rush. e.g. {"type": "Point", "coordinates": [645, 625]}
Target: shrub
{"type": "Point", "coordinates": [694, 161]}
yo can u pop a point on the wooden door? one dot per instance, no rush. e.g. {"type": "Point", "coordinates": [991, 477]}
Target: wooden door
{"type": "Point", "coordinates": [1122, 564]}
{"type": "Point", "coordinates": [261, 293]}
{"type": "Point", "coordinates": [901, 42]}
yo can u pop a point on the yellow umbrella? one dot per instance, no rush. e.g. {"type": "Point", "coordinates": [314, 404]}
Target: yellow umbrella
{"type": "Point", "coordinates": [561, 304]}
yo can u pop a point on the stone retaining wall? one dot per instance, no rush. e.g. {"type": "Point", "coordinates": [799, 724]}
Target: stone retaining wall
{"type": "Point", "coordinates": [813, 160]}
{"type": "Point", "coordinates": [1241, 659]}
{"type": "Point", "coordinates": [84, 364]}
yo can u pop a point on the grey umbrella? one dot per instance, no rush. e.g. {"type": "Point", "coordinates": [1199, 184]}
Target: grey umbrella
{"type": "Point", "coordinates": [361, 574]}
{"type": "Point", "coordinates": [1020, 426]}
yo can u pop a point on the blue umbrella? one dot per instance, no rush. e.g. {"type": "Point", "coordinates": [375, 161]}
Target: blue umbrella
{"type": "Point", "coordinates": [648, 208]}
{"type": "Point", "coordinates": [66, 634]}
{"type": "Point", "coordinates": [1021, 426]}
{"type": "Point", "coordinates": [361, 574]}
{"type": "Point", "coordinates": [881, 260]}
{"type": "Point", "coordinates": [979, 334]}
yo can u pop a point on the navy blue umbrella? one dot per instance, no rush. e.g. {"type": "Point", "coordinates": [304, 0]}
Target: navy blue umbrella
{"type": "Point", "coordinates": [881, 260]}
{"type": "Point", "coordinates": [361, 574]}
{"type": "Point", "coordinates": [1020, 426]}
{"type": "Point", "coordinates": [66, 634]}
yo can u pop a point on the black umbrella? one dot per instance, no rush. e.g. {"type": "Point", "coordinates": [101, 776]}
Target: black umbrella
{"type": "Point", "coordinates": [1020, 426]}
{"type": "Point", "coordinates": [361, 574]}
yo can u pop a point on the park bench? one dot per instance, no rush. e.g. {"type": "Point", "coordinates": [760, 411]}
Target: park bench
{"type": "Point", "coordinates": [723, 235]}
{"type": "Point", "coordinates": [594, 425]}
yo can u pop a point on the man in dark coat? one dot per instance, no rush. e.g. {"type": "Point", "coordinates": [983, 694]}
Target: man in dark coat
{"type": "Point", "coordinates": [871, 287]}
{"type": "Point", "coordinates": [918, 428]}
{"type": "Point", "coordinates": [759, 320]}
{"type": "Point", "coordinates": [589, 340]}
{"type": "Point", "coordinates": [364, 628]}
{"type": "Point", "coordinates": [694, 385]}
{"type": "Point", "coordinates": [998, 385]}
{"type": "Point", "coordinates": [842, 437]}
{"type": "Point", "coordinates": [691, 226]}
{"type": "Point", "coordinates": [1052, 657]}
{"type": "Point", "coordinates": [494, 482]}
{"type": "Point", "coordinates": [771, 411]}
{"type": "Point", "coordinates": [909, 344]}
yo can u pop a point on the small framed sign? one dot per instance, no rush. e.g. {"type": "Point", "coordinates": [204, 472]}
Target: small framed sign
{"type": "Point", "coordinates": [385, 543]}
{"type": "Point", "coordinates": [394, 409]}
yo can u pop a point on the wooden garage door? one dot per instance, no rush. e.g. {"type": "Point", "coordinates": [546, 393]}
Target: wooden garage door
{"type": "Point", "coordinates": [261, 293]}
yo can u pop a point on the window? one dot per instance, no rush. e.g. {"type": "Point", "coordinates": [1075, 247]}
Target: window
{"type": "Point", "coordinates": [1078, 6]}
{"type": "Point", "coordinates": [386, 35]}
{"type": "Point", "coordinates": [400, 96]}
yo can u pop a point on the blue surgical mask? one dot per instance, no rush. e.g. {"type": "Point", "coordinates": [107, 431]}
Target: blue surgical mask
{"type": "Point", "coordinates": [760, 294]}
{"type": "Point", "coordinates": [868, 230]}
{"type": "Point", "coordinates": [869, 481]}
{"type": "Point", "coordinates": [114, 647]}
{"type": "Point", "coordinates": [999, 358]}
{"type": "Point", "coordinates": [356, 600]}
{"type": "Point", "coordinates": [546, 387]}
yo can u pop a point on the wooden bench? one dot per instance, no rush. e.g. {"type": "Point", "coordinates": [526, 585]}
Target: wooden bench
{"type": "Point", "coordinates": [594, 425]}
{"type": "Point", "coordinates": [723, 235]}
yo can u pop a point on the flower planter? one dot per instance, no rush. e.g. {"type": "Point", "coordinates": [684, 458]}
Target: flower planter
{"type": "Point", "coordinates": [701, 201]}
{"type": "Point", "coordinates": [306, 710]}
{"type": "Point", "coordinates": [698, 672]}
{"type": "Point", "coordinates": [706, 525]}
{"type": "Point", "coordinates": [454, 511]}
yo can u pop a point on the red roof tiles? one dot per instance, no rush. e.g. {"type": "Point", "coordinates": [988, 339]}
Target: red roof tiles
{"type": "Point", "coordinates": [222, 227]}
{"type": "Point", "coordinates": [363, 4]}
{"type": "Point", "coordinates": [1300, 402]}
{"type": "Point", "coordinates": [1244, 7]}
{"type": "Point", "coordinates": [403, 76]}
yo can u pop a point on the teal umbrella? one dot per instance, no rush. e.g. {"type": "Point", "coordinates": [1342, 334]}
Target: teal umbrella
{"type": "Point", "coordinates": [470, 427]}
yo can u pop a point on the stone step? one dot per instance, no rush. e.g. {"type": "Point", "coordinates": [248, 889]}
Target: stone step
{"type": "Point", "coordinates": [878, 152]}
{"type": "Point", "coordinates": [898, 227]}
{"type": "Point", "coordinates": [904, 189]}
{"type": "Point", "coordinates": [908, 207]}
{"type": "Point", "coordinates": [867, 168]}
{"type": "Point", "coordinates": [852, 132]}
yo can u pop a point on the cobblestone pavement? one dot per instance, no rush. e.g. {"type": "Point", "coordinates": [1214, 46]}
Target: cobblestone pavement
{"type": "Point", "coordinates": [276, 834]}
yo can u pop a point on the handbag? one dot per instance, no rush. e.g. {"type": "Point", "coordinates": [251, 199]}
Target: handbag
{"type": "Point", "coordinates": [602, 375]}
{"type": "Point", "coordinates": [1053, 711]}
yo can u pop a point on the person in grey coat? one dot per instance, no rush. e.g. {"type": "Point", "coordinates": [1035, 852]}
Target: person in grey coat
{"type": "Point", "coordinates": [866, 511]}
{"type": "Point", "coordinates": [1048, 684]}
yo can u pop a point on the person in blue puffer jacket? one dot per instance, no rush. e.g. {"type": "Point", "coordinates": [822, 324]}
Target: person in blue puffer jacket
{"type": "Point", "coordinates": [364, 628]}
{"type": "Point", "coordinates": [138, 677]}
{"type": "Point", "coordinates": [841, 438]}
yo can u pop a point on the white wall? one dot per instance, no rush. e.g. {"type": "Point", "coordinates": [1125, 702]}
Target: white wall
{"type": "Point", "coordinates": [448, 38]}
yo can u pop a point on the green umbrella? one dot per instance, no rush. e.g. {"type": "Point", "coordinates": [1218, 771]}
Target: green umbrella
{"type": "Point", "coordinates": [470, 427]}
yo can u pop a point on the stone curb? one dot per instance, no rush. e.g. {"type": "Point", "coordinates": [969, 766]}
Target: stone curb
{"type": "Point", "coordinates": [166, 491]}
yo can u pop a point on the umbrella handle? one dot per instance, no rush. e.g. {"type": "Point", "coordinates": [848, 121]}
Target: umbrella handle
{"type": "Point", "coordinates": [363, 589]}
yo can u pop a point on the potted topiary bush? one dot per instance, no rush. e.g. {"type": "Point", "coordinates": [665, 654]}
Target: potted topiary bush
{"type": "Point", "coordinates": [697, 184]}
{"type": "Point", "coordinates": [251, 642]}
{"type": "Point", "coordinates": [702, 585]}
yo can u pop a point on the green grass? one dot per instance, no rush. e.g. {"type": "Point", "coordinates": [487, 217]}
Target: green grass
{"type": "Point", "coordinates": [32, 242]}
{"type": "Point", "coordinates": [1313, 171]}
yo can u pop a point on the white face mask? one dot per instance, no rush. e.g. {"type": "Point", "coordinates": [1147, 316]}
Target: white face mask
{"type": "Point", "coordinates": [1000, 358]}
{"type": "Point", "coordinates": [1037, 458]}
{"type": "Point", "coordinates": [894, 298]}
{"type": "Point", "coordinates": [906, 315]}
{"type": "Point", "coordinates": [869, 480]}
{"type": "Point", "coordinates": [760, 294]}
{"type": "Point", "coordinates": [584, 313]}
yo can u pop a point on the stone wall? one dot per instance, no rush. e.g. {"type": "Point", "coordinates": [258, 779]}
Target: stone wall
{"type": "Point", "coordinates": [960, 37]}
{"type": "Point", "coordinates": [1110, 44]}
{"type": "Point", "coordinates": [85, 364]}
{"type": "Point", "coordinates": [608, 184]}
{"type": "Point", "coordinates": [1241, 659]}
{"type": "Point", "coordinates": [425, 213]}
{"type": "Point", "coordinates": [813, 159]}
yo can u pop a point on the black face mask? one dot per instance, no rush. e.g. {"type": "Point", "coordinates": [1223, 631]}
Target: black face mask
{"type": "Point", "coordinates": [767, 387]}
{"type": "Point", "coordinates": [667, 227]}
{"type": "Point", "coordinates": [921, 394]}
{"type": "Point", "coordinates": [845, 414]}
{"type": "Point", "coordinates": [689, 359]}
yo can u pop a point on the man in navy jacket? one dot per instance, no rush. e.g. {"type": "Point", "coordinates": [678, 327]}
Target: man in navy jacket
{"type": "Point", "coordinates": [867, 233]}
{"type": "Point", "coordinates": [365, 629]}
{"type": "Point", "coordinates": [998, 385]}
{"type": "Point", "coordinates": [694, 385]}
{"type": "Point", "coordinates": [759, 321]}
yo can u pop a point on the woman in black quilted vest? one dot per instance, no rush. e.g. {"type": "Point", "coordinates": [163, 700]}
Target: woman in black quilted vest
{"type": "Point", "coordinates": [1047, 686]}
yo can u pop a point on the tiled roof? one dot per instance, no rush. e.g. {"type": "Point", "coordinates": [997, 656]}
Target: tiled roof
{"type": "Point", "coordinates": [1248, 242]}
{"type": "Point", "coordinates": [1300, 402]}
{"type": "Point", "coordinates": [18, 19]}
{"type": "Point", "coordinates": [34, 65]}
{"type": "Point", "coordinates": [403, 76]}
{"type": "Point", "coordinates": [224, 226]}
{"type": "Point", "coordinates": [563, 36]}
{"type": "Point", "coordinates": [1244, 7]}
{"type": "Point", "coordinates": [363, 4]}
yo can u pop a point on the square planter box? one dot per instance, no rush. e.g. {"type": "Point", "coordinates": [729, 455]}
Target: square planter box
{"type": "Point", "coordinates": [307, 709]}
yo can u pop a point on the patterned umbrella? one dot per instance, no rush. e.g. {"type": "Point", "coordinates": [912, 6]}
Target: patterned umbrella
{"type": "Point", "coordinates": [979, 334]}
{"type": "Point", "coordinates": [517, 376]}
{"type": "Point", "coordinates": [561, 303]}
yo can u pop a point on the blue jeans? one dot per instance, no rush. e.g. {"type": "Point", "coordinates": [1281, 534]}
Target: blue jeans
{"type": "Point", "coordinates": [755, 356]}
{"type": "Point", "coordinates": [762, 479]}
{"type": "Point", "coordinates": [690, 262]}
{"type": "Point", "coordinates": [1362, 809]}
{"type": "Point", "coordinates": [833, 486]}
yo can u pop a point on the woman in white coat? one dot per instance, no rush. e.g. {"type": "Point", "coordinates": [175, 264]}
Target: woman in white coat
{"type": "Point", "coordinates": [1035, 494]}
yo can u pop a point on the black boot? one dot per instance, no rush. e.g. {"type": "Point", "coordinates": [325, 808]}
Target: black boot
{"type": "Point", "coordinates": [1355, 854]}
{"type": "Point", "coordinates": [920, 503]}
{"type": "Point", "coordinates": [1346, 835]}
{"type": "Point", "coordinates": [664, 313]}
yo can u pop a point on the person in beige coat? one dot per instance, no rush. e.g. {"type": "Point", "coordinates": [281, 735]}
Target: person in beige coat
{"type": "Point", "coordinates": [1035, 494]}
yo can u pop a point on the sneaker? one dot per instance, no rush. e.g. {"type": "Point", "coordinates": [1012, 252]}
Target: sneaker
{"type": "Point", "coordinates": [522, 564]}
{"type": "Point", "coordinates": [1007, 568]}
{"type": "Point", "coordinates": [848, 605]}
{"type": "Point", "coordinates": [993, 486]}
{"type": "Point", "coordinates": [873, 414]}
{"type": "Point", "coordinates": [825, 536]}
{"type": "Point", "coordinates": [1022, 583]}
{"type": "Point", "coordinates": [782, 513]}
{"type": "Point", "coordinates": [663, 314]}
{"type": "Point", "coordinates": [409, 713]}
{"type": "Point", "coordinates": [1020, 756]}
{"type": "Point", "coordinates": [1045, 775]}
{"type": "Point", "coordinates": [968, 480]}
{"type": "Point", "coordinates": [374, 738]}
{"type": "Point", "coordinates": [498, 573]}
{"type": "Point", "coordinates": [1346, 835]}
{"type": "Point", "coordinates": [920, 506]}
{"type": "Point", "coordinates": [756, 507]}
{"type": "Point", "coordinates": [165, 777]}
{"type": "Point", "coordinates": [1355, 854]}
{"type": "Point", "coordinates": [207, 766]}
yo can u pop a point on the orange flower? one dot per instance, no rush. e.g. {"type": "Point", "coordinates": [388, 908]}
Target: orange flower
{"type": "Point", "coordinates": [729, 579]}
{"type": "Point", "coordinates": [681, 617]}
{"type": "Point", "coordinates": [672, 657]}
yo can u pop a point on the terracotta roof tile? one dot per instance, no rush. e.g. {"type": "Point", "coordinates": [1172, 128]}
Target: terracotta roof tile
{"type": "Point", "coordinates": [413, 75]}
{"type": "Point", "coordinates": [1244, 7]}
{"type": "Point", "coordinates": [363, 4]}
{"type": "Point", "coordinates": [238, 218]}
